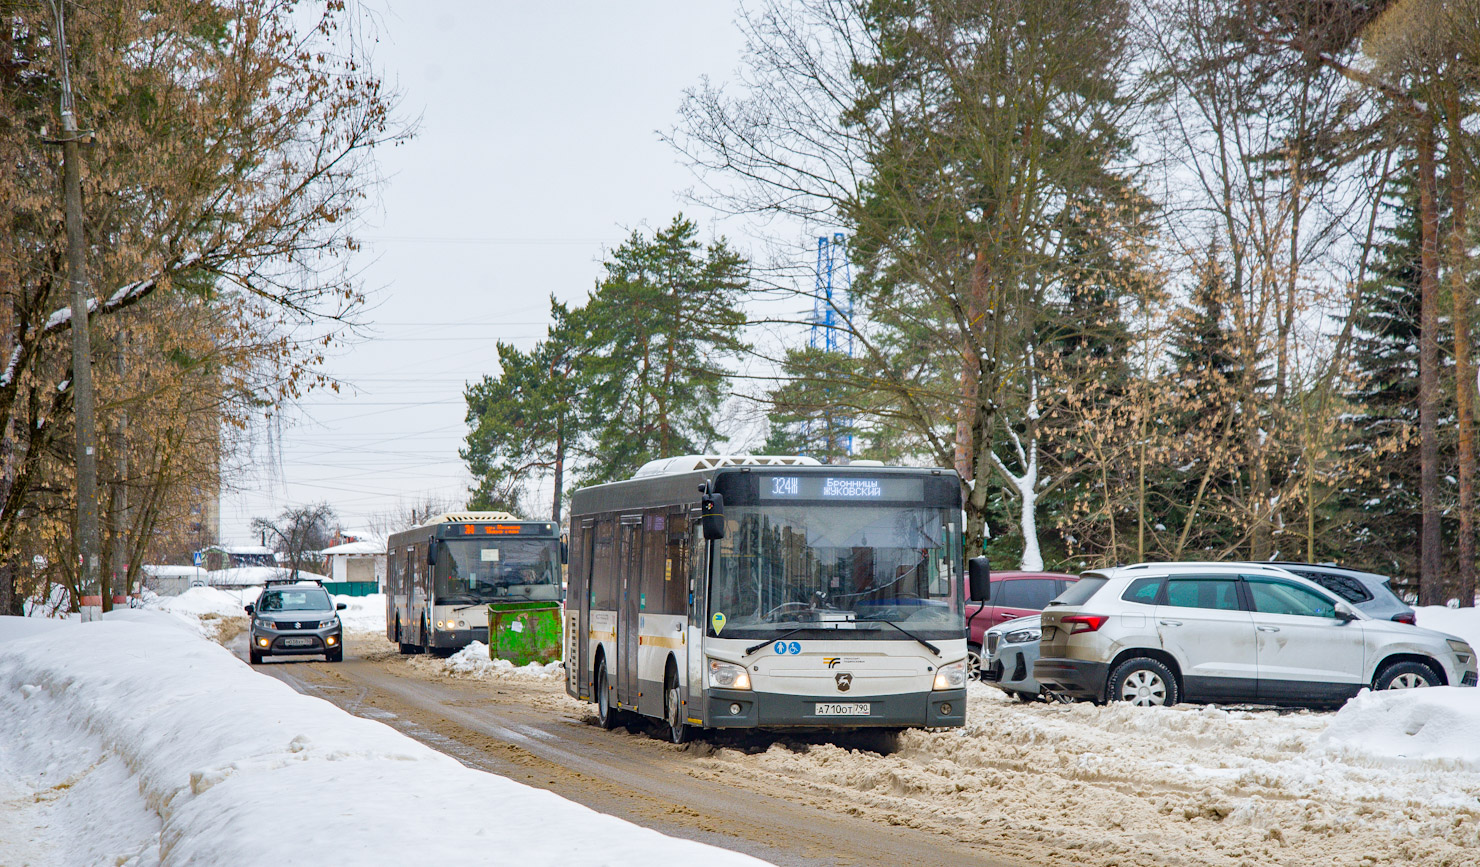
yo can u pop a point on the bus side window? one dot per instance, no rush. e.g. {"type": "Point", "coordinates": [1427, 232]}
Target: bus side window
{"type": "Point", "coordinates": [676, 574]}
{"type": "Point", "coordinates": [654, 568]}
{"type": "Point", "coordinates": [580, 534]}
{"type": "Point", "coordinates": [603, 568]}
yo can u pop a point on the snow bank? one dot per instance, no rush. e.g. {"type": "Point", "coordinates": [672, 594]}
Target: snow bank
{"type": "Point", "coordinates": [1459, 622]}
{"type": "Point", "coordinates": [190, 755]}
{"type": "Point", "coordinates": [1434, 727]}
{"type": "Point", "coordinates": [363, 613]}
{"type": "Point", "coordinates": [473, 661]}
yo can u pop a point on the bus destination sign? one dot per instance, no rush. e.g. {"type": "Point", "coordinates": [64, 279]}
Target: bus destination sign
{"type": "Point", "coordinates": [821, 487]}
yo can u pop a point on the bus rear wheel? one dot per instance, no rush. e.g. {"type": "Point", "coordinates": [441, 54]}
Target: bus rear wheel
{"type": "Point", "coordinates": [678, 728]}
{"type": "Point", "coordinates": [406, 649]}
{"type": "Point", "coordinates": [606, 715]}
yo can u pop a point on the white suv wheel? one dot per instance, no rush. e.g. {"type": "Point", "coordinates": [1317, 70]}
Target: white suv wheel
{"type": "Point", "coordinates": [1143, 682]}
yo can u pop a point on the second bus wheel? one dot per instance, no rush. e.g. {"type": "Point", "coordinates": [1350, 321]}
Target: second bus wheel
{"type": "Point", "coordinates": [606, 713]}
{"type": "Point", "coordinates": [674, 710]}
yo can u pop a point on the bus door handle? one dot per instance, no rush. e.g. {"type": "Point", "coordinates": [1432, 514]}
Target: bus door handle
{"type": "Point", "coordinates": [678, 627]}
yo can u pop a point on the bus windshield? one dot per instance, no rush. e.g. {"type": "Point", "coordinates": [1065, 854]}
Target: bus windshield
{"type": "Point", "coordinates": [469, 571]}
{"type": "Point", "coordinates": [837, 567]}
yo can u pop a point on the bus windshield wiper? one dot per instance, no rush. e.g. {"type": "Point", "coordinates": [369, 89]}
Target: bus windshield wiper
{"type": "Point", "coordinates": [790, 632]}
{"type": "Point", "coordinates": [928, 646]}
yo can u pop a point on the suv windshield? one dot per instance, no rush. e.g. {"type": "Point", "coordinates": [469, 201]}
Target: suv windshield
{"type": "Point", "coordinates": [484, 570]}
{"type": "Point", "coordinates": [838, 567]}
{"type": "Point", "coordinates": [307, 599]}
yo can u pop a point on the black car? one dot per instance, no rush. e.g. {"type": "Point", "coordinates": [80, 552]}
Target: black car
{"type": "Point", "coordinates": [295, 620]}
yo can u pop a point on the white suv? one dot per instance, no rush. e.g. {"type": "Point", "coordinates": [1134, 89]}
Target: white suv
{"type": "Point", "coordinates": [1159, 633]}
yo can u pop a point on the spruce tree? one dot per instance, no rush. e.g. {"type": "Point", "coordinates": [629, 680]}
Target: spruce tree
{"type": "Point", "coordinates": [1378, 513]}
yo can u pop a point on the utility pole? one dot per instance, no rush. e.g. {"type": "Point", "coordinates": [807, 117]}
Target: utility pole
{"type": "Point", "coordinates": [118, 521]}
{"type": "Point", "coordinates": [83, 406]}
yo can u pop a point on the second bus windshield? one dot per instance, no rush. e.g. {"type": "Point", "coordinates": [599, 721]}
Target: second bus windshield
{"type": "Point", "coordinates": [487, 570]}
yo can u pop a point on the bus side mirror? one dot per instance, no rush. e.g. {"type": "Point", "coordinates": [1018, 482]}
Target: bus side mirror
{"type": "Point", "coordinates": [979, 577]}
{"type": "Point", "coordinates": [712, 519]}
{"type": "Point", "coordinates": [432, 553]}
{"type": "Point", "coordinates": [564, 551]}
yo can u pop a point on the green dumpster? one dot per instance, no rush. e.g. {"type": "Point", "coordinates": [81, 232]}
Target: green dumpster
{"type": "Point", "coordinates": [524, 632]}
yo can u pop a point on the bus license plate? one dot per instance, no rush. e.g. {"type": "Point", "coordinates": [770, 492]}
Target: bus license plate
{"type": "Point", "coordinates": [854, 709]}
{"type": "Point", "coordinates": [298, 642]}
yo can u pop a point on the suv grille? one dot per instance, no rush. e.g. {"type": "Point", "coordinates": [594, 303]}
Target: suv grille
{"type": "Point", "coordinates": [992, 639]}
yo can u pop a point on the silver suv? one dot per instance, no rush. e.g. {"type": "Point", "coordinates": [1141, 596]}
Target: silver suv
{"type": "Point", "coordinates": [294, 620]}
{"type": "Point", "coordinates": [1159, 633]}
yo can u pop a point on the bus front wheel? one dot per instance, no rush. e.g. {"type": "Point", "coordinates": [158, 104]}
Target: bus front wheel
{"type": "Point", "coordinates": [606, 715]}
{"type": "Point", "coordinates": [678, 728]}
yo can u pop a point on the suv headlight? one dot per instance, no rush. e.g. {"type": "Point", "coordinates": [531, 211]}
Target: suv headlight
{"type": "Point", "coordinates": [266, 624]}
{"type": "Point", "coordinates": [1022, 636]}
{"type": "Point", "coordinates": [951, 676]}
{"type": "Point", "coordinates": [728, 675]}
{"type": "Point", "coordinates": [333, 621]}
{"type": "Point", "coordinates": [1461, 649]}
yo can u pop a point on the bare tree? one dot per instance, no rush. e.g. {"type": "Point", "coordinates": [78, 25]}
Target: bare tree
{"type": "Point", "coordinates": [299, 532]}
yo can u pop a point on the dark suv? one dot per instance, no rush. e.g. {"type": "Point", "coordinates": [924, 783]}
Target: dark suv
{"type": "Point", "coordinates": [1366, 591]}
{"type": "Point", "coordinates": [294, 620]}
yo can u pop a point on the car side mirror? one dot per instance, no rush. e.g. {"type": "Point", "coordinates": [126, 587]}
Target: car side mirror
{"type": "Point", "coordinates": [250, 609]}
{"type": "Point", "coordinates": [979, 579]}
{"type": "Point", "coordinates": [340, 607]}
{"type": "Point", "coordinates": [712, 519]}
{"type": "Point", "coordinates": [1345, 612]}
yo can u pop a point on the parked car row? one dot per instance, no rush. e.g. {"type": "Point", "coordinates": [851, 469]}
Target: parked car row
{"type": "Point", "coordinates": [1271, 633]}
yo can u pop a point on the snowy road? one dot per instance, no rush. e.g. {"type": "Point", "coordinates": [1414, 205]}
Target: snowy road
{"type": "Point", "coordinates": [1394, 779]}
{"type": "Point", "coordinates": [532, 732]}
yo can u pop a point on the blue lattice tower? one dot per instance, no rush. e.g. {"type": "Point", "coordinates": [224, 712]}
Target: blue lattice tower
{"type": "Point", "coordinates": [832, 297]}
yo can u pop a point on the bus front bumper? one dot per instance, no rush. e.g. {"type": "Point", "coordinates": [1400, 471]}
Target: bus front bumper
{"type": "Point", "coordinates": [457, 639]}
{"type": "Point", "coordinates": [729, 708]}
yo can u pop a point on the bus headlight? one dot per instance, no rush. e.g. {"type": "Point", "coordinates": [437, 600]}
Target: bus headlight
{"type": "Point", "coordinates": [728, 675]}
{"type": "Point", "coordinates": [951, 676]}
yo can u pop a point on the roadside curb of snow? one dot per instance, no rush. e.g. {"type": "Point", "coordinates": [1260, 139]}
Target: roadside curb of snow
{"type": "Point", "coordinates": [220, 752]}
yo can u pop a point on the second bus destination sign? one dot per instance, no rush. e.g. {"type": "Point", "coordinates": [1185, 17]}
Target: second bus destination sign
{"type": "Point", "coordinates": [834, 488]}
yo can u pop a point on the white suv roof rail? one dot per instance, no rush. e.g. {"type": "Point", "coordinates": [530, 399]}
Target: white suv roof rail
{"type": "Point", "coordinates": [1209, 564]}
{"type": "Point", "coordinates": [696, 463]}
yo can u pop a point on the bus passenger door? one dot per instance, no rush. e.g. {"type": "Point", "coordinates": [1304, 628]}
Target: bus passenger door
{"type": "Point", "coordinates": [697, 592]}
{"type": "Point", "coordinates": [578, 608]}
{"type": "Point", "coordinates": [630, 565]}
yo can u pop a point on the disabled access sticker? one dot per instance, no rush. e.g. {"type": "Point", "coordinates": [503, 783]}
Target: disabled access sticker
{"type": "Point", "coordinates": [719, 622]}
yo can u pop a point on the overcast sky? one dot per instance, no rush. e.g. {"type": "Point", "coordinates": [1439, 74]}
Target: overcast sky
{"type": "Point", "coordinates": [537, 151]}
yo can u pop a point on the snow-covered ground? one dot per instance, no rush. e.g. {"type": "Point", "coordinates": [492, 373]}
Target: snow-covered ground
{"type": "Point", "coordinates": [136, 741]}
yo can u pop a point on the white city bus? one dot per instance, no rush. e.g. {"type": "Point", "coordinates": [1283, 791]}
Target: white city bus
{"type": "Point", "coordinates": [772, 592]}
{"type": "Point", "coordinates": [441, 576]}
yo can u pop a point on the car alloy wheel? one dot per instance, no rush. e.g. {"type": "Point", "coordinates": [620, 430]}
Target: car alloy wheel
{"type": "Point", "coordinates": [1406, 675]}
{"type": "Point", "coordinates": [1143, 682]}
{"type": "Point", "coordinates": [974, 662]}
{"type": "Point", "coordinates": [1143, 689]}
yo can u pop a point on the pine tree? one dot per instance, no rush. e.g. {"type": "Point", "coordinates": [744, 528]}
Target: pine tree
{"type": "Point", "coordinates": [661, 324]}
